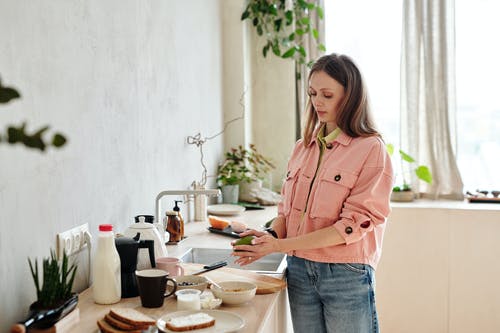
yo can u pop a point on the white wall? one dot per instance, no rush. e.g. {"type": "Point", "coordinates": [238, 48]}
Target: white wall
{"type": "Point", "coordinates": [127, 82]}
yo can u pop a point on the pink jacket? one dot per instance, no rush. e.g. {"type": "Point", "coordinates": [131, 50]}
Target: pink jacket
{"type": "Point", "coordinates": [351, 192]}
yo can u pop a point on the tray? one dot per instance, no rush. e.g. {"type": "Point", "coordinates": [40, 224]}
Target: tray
{"type": "Point", "coordinates": [483, 200]}
{"type": "Point", "coordinates": [228, 231]}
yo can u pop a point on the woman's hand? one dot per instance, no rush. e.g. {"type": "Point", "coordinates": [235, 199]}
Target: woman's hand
{"type": "Point", "coordinates": [262, 245]}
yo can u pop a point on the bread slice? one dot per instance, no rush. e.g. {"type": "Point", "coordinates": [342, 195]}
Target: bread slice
{"type": "Point", "coordinates": [107, 328]}
{"type": "Point", "coordinates": [131, 316]}
{"type": "Point", "coordinates": [190, 322]}
{"type": "Point", "coordinates": [123, 325]}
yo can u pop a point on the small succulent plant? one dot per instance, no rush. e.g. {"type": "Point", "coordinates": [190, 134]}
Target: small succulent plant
{"type": "Point", "coordinates": [57, 280]}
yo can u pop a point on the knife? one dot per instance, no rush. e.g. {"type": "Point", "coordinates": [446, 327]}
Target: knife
{"type": "Point", "coordinates": [211, 267]}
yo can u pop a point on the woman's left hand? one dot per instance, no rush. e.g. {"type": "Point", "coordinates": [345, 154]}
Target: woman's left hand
{"type": "Point", "coordinates": [261, 246]}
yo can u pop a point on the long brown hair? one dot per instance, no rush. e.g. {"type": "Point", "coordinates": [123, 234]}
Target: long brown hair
{"type": "Point", "coordinates": [353, 117]}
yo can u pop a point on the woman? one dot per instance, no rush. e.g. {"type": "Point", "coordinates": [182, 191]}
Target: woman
{"type": "Point", "coordinates": [335, 203]}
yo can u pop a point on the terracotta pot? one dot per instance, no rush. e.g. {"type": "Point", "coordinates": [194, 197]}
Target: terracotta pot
{"type": "Point", "coordinates": [402, 196]}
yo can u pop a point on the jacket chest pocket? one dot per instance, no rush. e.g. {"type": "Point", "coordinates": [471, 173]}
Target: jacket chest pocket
{"type": "Point", "coordinates": [333, 187]}
{"type": "Point", "coordinates": [289, 188]}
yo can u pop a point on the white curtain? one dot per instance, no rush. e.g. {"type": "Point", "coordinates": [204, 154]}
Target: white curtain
{"type": "Point", "coordinates": [428, 94]}
{"type": "Point", "coordinates": [311, 47]}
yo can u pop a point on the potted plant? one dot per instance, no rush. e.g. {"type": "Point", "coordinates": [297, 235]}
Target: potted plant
{"type": "Point", "coordinates": [54, 296]}
{"type": "Point", "coordinates": [403, 192]}
{"type": "Point", "coordinates": [242, 170]}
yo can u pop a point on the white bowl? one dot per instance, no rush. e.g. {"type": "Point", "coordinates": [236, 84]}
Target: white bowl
{"type": "Point", "coordinates": [235, 292]}
{"type": "Point", "coordinates": [190, 282]}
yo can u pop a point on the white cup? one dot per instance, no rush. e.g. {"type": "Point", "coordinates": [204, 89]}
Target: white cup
{"type": "Point", "coordinates": [188, 299]}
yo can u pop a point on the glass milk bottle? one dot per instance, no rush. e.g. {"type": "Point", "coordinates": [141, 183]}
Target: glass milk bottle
{"type": "Point", "coordinates": [106, 268]}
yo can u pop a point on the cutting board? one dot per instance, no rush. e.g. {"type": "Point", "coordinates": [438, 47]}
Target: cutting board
{"type": "Point", "coordinates": [265, 284]}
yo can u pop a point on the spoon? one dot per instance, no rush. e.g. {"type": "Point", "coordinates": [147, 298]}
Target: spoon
{"type": "Point", "coordinates": [214, 283]}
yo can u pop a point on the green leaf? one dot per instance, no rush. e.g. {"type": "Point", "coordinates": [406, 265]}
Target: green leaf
{"type": "Point", "coordinates": [255, 21]}
{"type": "Point", "coordinates": [245, 14]}
{"type": "Point", "coordinates": [390, 148]}
{"type": "Point", "coordinates": [305, 20]}
{"type": "Point", "coordinates": [288, 17]}
{"type": "Point", "coordinates": [289, 53]}
{"type": "Point", "coordinates": [424, 173]}
{"type": "Point", "coordinates": [272, 10]}
{"type": "Point", "coordinates": [276, 49]}
{"type": "Point", "coordinates": [299, 32]}
{"type": "Point", "coordinates": [302, 4]}
{"type": "Point", "coordinates": [315, 33]}
{"type": "Point", "coordinates": [406, 157]}
{"type": "Point", "coordinates": [58, 140]}
{"type": "Point", "coordinates": [259, 30]}
{"type": "Point", "coordinates": [265, 49]}
{"type": "Point", "coordinates": [8, 94]}
{"type": "Point", "coordinates": [302, 51]}
{"type": "Point", "coordinates": [319, 10]}
{"type": "Point", "coordinates": [277, 24]}
{"type": "Point", "coordinates": [292, 36]}
{"type": "Point", "coordinates": [322, 47]}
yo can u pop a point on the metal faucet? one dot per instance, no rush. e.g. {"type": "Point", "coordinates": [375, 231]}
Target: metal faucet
{"type": "Point", "coordinates": [187, 194]}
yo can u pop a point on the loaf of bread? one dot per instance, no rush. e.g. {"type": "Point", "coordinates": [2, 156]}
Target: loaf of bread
{"type": "Point", "coordinates": [190, 322]}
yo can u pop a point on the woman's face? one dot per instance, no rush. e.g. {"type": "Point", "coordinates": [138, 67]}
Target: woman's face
{"type": "Point", "coordinates": [326, 95]}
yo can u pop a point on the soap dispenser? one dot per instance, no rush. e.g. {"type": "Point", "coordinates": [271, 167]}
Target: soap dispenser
{"type": "Point", "coordinates": [178, 210]}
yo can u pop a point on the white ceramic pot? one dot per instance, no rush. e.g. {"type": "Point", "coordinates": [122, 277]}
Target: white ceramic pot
{"type": "Point", "coordinates": [230, 193]}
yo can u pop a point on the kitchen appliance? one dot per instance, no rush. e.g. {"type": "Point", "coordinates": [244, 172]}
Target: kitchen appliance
{"type": "Point", "coordinates": [128, 250]}
{"type": "Point", "coordinates": [148, 232]}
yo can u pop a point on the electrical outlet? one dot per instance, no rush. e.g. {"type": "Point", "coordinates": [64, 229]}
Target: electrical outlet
{"type": "Point", "coordinates": [71, 241]}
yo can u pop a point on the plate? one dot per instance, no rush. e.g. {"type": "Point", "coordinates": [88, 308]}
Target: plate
{"type": "Point", "coordinates": [225, 209]}
{"type": "Point", "coordinates": [224, 321]}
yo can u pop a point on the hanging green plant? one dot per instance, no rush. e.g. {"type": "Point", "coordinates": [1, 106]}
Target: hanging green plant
{"type": "Point", "coordinates": [284, 24]}
{"type": "Point", "coordinates": [18, 134]}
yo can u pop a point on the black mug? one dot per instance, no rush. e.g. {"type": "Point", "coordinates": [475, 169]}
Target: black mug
{"type": "Point", "coordinates": [152, 284]}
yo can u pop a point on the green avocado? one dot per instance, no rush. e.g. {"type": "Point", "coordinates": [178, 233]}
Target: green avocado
{"type": "Point", "coordinates": [247, 240]}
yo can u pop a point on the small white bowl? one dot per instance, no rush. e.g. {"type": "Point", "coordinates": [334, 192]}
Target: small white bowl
{"type": "Point", "coordinates": [234, 292]}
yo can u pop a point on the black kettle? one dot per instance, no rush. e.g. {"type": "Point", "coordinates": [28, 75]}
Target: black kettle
{"type": "Point", "coordinates": [128, 249]}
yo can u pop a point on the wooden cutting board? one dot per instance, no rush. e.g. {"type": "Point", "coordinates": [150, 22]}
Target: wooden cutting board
{"type": "Point", "coordinates": [265, 284]}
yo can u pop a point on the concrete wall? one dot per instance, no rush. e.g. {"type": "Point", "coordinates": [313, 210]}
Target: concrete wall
{"type": "Point", "coordinates": [127, 82]}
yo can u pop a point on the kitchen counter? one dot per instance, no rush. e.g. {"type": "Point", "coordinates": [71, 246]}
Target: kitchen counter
{"type": "Point", "coordinates": [265, 313]}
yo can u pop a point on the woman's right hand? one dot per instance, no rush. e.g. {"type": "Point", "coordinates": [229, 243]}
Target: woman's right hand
{"type": "Point", "coordinates": [253, 232]}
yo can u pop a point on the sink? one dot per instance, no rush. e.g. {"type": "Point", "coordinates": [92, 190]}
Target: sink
{"type": "Point", "coordinates": [274, 263]}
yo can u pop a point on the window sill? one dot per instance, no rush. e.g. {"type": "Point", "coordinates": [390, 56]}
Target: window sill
{"type": "Point", "coordinates": [446, 204]}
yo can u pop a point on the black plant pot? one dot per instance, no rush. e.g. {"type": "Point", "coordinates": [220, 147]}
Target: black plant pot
{"type": "Point", "coordinates": [44, 318]}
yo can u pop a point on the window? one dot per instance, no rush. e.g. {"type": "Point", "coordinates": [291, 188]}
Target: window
{"type": "Point", "coordinates": [370, 32]}
{"type": "Point", "coordinates": [478, 93]}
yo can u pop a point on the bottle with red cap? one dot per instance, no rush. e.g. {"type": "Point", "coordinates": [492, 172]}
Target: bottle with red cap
{"type": "Point", "coordinates": [106, 268]}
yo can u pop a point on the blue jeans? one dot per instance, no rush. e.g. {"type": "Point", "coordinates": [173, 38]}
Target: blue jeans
{"type": "Point", "coordinates": [334, 298]}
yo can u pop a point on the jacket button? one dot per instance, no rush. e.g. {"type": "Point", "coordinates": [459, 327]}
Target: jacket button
{"type": "Point", "coordinates": [337, 178]}
{"type": "Point", "coordinates": [329, 146]}
{"type": "Point", "coordinates": [348, 230]}
{"type": "Point", "coordinates": [288, 174]}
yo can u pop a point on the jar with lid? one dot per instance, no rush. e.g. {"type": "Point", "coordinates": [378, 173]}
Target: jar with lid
{"type": "Point", "coordinates": [174, 227]}
{"type": "Point", "coordinates": [106, 285]}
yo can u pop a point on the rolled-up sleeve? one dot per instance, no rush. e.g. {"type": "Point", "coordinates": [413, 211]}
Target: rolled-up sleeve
{"type": "Point", "coordinates": [368, 204]}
